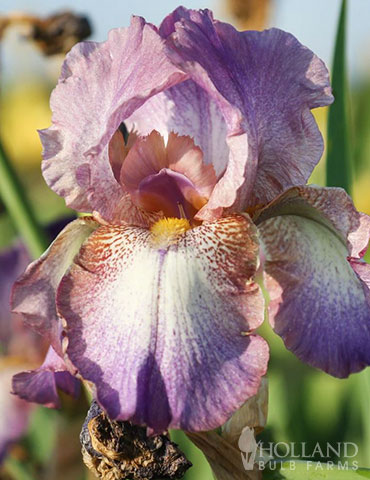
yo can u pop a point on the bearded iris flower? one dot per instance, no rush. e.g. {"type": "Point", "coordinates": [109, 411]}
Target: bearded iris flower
{"type": "Point", "coordinates": [152, 298]}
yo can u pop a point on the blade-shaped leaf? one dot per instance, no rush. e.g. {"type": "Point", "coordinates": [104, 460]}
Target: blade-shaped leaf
{"type": "Point", "coordinates": [19, 208]}
{"type": "Point", "coordinates": [339, 158]}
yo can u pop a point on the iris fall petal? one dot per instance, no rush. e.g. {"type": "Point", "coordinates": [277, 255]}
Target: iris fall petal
{"type": "Point", "coordinates": [313, 240]}
{"type": "Point", "coordinates": [163, 330]}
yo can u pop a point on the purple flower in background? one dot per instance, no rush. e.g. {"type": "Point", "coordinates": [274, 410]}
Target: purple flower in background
{"type": "Point", "coordinates": [155, 293]}
{"type": "Point", "coordinates": [14, 412]}
{"type": "Point", "coordinates": [22, 348]}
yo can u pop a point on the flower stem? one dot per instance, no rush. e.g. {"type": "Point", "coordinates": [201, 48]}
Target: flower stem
{"type": "Point", "coordinates": [19, 209]}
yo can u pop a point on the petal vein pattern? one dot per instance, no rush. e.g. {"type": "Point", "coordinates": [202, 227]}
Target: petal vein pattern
{"type": "Point", "coordinates": [160, 330]}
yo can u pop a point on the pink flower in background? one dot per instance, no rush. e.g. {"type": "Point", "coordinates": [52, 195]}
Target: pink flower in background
{"type": "Point", "coordinates": [22, 348]}
{"type": "Point", "coordinates": [153, 299]}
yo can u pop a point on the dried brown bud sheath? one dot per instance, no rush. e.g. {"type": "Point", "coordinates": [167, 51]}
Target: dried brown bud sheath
{"type": "Point", "coordinates": [116, 450]}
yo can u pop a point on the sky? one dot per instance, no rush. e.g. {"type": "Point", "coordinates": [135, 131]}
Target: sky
{"type": "Point", "coordinates": [313, 22]}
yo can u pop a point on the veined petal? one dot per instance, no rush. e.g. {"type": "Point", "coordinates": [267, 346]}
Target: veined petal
{"type": "Point", "coordinates": [186, 109]}
{"type": "Point", "coordinates": [313, 239]}
{"type": "Point", "coordinates": [100, 86]}
{"type": "Point", "coordinates": [40, 386]}
{"type": "Point", "coordinates": [34, 292]}
{"type": "Point", "coordinates": [265, 84]}
{"type": "Point", "coordinates": [162, 330]}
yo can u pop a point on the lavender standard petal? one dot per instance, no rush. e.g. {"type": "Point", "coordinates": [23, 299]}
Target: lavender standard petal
{"type": "Point", "coordinates": [265, 84]}
{"type": "Point", "coordinates": [100, 86]}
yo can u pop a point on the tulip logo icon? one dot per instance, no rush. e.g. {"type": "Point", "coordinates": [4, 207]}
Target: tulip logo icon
{"type": "Point", "coordinates": [248, 446]}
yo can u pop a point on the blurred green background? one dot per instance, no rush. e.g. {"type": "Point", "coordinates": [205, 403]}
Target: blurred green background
{"type": "Point", "coordinates": [305, 405]}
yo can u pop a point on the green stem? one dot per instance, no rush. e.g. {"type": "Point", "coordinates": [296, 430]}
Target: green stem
{"type": "Point", "coordinates": [19, 209]}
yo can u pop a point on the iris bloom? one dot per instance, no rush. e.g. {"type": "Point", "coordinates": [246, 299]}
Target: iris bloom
{"type": "Point", "coordinates": [22, 348]}
{"type": "Point", "coordinates": [154, 295]}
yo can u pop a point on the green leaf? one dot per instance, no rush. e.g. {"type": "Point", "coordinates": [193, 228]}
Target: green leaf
{"type": "Point", "coordinates": [300, 470]}
{"type": "Point", "coordinates": [19, 208]}
{"type": "Point", "coordinates": [339, 155]}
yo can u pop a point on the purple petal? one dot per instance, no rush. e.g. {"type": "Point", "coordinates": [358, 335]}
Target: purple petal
{"type": "Point", "coordinates": [160, 328]}
{"type": "Point", "coordinates": [40, 386]}
{"type": "Point", "coordinates": [265, 84]}
{"type": "Point", "coordinates": [186, 109]}
{"type": "Point", "coordinates": [313, 239]}
{"type": "Point", "coordinates": [101, 85]}
{"type": "Point", "coordinates": [34, 292]}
